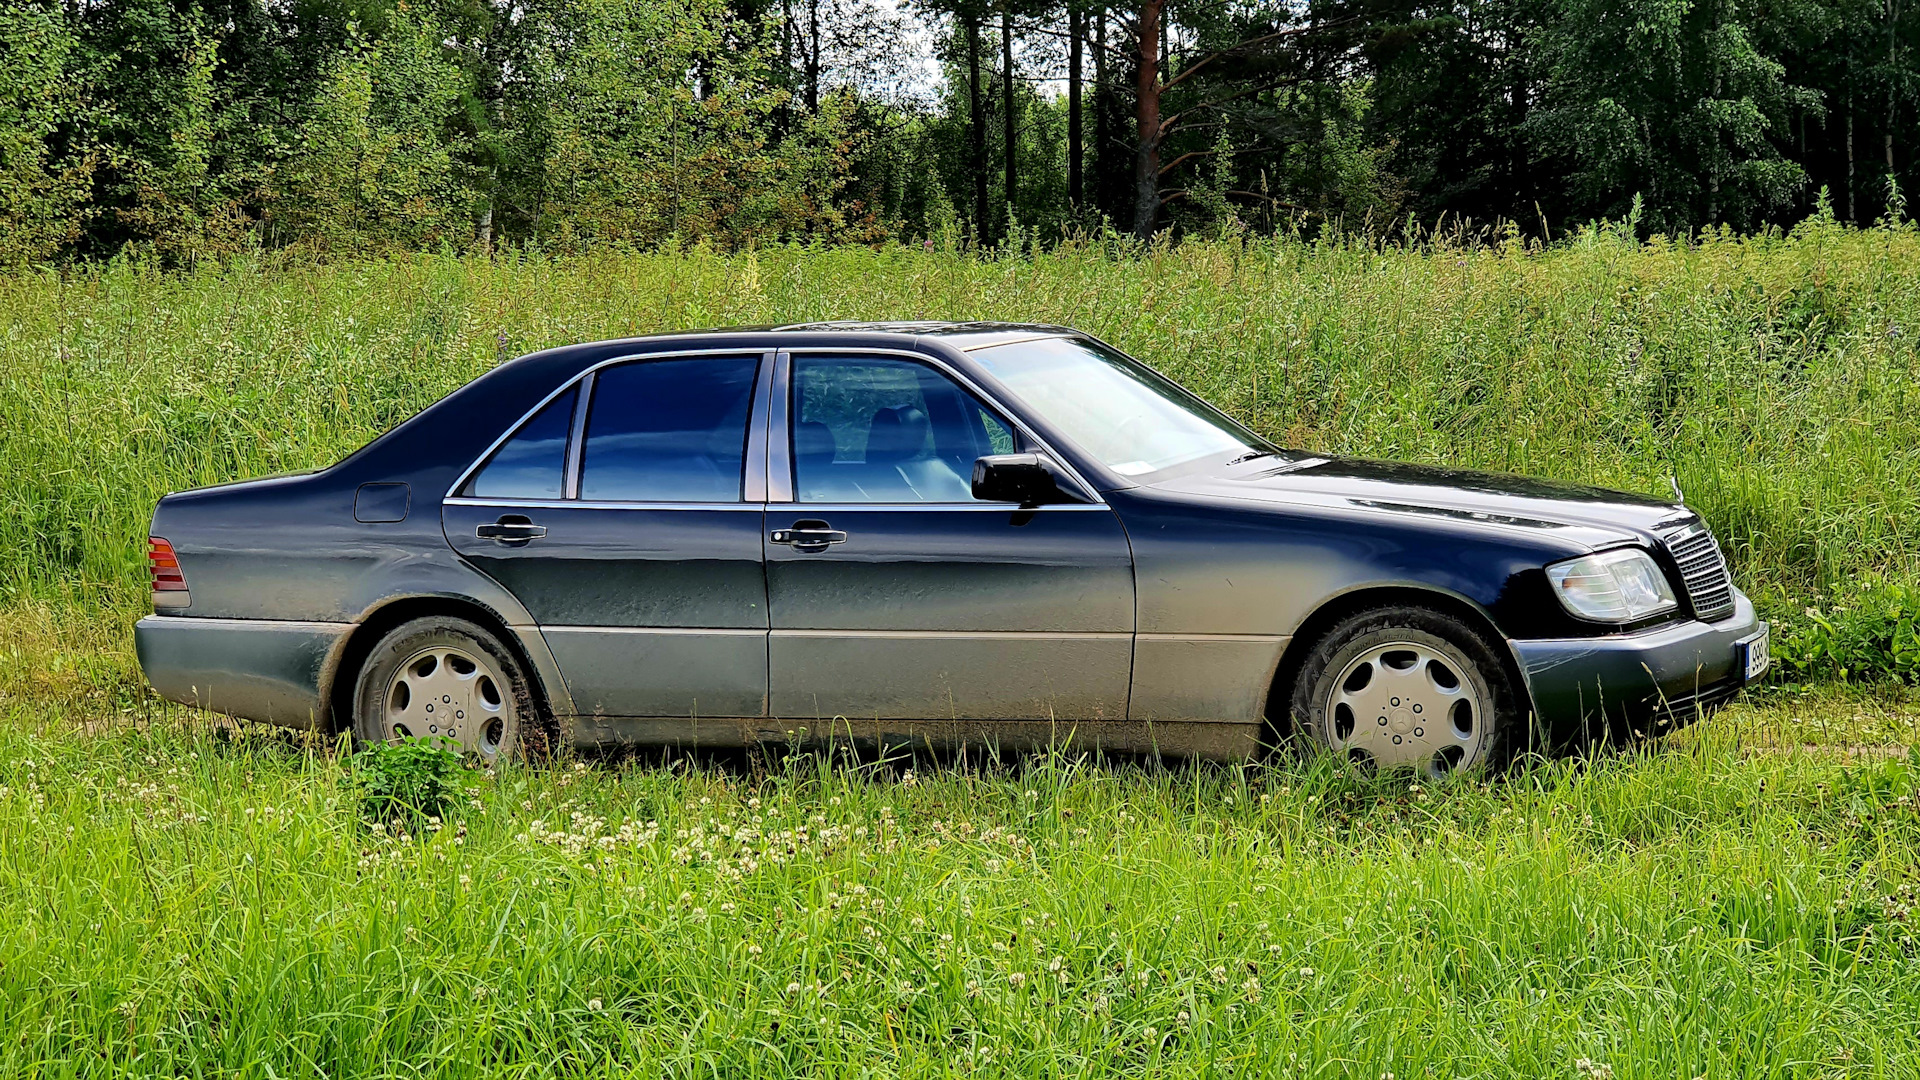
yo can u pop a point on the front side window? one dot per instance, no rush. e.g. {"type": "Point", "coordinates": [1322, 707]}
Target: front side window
{"type": "Point", "coordinates": [533, 463]}
{"type": "Point", "coordinates": [668, 431]}
{"type": "Point", "coordinates": [869, 429]}
{"type": "Point", "coordinates": [1114, 408]}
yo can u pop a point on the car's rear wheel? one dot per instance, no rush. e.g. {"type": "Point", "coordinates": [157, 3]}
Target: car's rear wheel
{"type": "Point", "coordinates": [447, 680]}
{"type": "Point", "coordinates": [1408, 687]}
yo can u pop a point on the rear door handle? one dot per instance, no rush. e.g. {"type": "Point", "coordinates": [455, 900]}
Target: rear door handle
{"type": "Point", "coordinates": [511, 529]}
{"type": "Point", "coordinates": [809, 536]}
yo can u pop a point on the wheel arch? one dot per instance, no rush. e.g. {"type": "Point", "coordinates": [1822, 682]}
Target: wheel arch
{"type": "Point", "coordinates": [1278, 719]}
{"type": "Point", "coordinates": [377, 622]}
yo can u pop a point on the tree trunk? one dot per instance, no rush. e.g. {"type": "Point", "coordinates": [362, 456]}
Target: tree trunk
{"type": "Point", "coordinates": [1102, 123]}
{"type": "Point", "coordinates": [1893, 59]}
{"type": "Point", "coordinates": [1146, 159]}
{"type": "Point", "coordinates": [977, 132]}
{"type": "Point", "coordinates": [813, 55]}
{"type": "Point", "coordinates": [1076, 26]}
{"type": "Point", "coordinates": [1010, 124]}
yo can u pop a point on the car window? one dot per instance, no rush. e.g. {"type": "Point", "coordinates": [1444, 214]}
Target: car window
{"type": "Point", "coordinates": [532, 464]}
{"type": "Point", "coordinates": [668, 431]}
{"type": "Point", "coordinates": [1115, 408]}
{"type": "Point", "coordinates": [881, 430]}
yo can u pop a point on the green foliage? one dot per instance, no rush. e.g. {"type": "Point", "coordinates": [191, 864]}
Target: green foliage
{"type": "Point", "coordinates": [370, 166]}
{"type": "Point", "coordinates": [408, 781]}
{"type": "Point", "coordinates": [1670, 99]}
{"type": "Point", "coordinates": [44, 200]}
{"type": "Point", "coordinates": [1868, 633]}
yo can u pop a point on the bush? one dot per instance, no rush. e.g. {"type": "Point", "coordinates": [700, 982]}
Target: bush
{"type": "Point", "coordinates": [1872, 635]}
{"type": "Point", "coordinates": [408, 780]}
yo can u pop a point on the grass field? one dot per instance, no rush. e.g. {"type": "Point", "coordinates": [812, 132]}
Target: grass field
{"type": "Point", "coordinates": [181, 897]}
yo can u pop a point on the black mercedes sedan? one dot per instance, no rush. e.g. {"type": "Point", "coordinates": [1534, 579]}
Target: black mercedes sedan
{"type": "Point", "coordinates": [935, 533]}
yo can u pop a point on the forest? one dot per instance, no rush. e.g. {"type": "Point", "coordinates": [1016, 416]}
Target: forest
{"type": "Point", "coordinates": [189, 129]}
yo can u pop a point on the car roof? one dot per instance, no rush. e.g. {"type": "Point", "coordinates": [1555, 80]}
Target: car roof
{"type": "Point", "coordinates": [965, 336]}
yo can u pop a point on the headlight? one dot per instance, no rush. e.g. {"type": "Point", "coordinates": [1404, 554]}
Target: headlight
{"type": "Point", "coordinates": [1614, 586]}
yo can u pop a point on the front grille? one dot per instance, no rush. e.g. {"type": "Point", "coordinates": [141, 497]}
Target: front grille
{"type": "Point", "coordinates": [1703, 571]}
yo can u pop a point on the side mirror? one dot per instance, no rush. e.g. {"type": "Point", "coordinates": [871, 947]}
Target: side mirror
{"type": "Point", "coordinates": [1015, 478]}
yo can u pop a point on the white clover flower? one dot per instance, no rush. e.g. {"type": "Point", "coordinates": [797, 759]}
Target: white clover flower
{"type": "Point", "coordinates": [594, 1005]}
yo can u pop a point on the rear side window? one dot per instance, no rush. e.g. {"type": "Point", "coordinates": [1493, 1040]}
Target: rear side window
{"type": "Point", "coordinates": [669, 431]}
{"type": "Point", "coordinates": [533, 463]}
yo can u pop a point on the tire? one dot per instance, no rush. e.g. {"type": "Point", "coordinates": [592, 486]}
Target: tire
{"type": "Point", "coordinates": [475, 678]}
{"type": "Point", "coordinates": [1405, 686]}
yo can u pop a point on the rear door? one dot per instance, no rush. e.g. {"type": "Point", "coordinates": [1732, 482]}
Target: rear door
{"type": "Point", "coordinates": [894, 594]}
{"type": "Point", "coordinates": [624, 515]}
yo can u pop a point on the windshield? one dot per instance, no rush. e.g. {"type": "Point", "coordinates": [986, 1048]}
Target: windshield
{"type": "Point", "coordinates": [1113, 407]}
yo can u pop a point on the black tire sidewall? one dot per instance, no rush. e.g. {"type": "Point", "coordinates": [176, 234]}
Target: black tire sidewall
{"type": "Point", "coordinates": [1352, 635]}
{"type": "Point", "coordinates": [406, 640]}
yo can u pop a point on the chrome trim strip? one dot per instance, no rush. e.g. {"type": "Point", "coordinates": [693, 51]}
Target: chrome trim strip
{"type": "Point", "coordinates": [1252, 639]}
{"type": "Point", "coordinates": [596, 504]}
{"type": "Point", "coordinates": [250, 624]}
{"type": "Point", "coordinates": [980, 507]}
{"type": "Point", "coordinates": [754, 484]}
{"type": "Point", "coordinates": [577, 440]}
{"type": "Point", "coordinates": [940, 364]}
{"type": "Point", "coordinates": [837, 508]}
{"type": "Point", "coordinates": [577, 377]}
{"type": "Point", "coordinates": [687, 631]}
{"type": "Point", "coordinates": [978, 635]}
{"type": "Point", "coordinates": [1011, 341]}
{"type": "Point", "coordinates": [779, 433]}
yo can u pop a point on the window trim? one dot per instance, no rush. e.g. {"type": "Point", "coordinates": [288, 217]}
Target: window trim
{"type": "Point", "coordinates": [576, 444]}
{"type": "Point", "coordinates": [780, 472]}
{"type": "Point", "coordinates": [769, 438]}
{"type": "Point", "coordinates": [566, 452]}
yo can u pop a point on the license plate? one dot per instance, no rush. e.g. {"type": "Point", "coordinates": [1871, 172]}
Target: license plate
{"type": "Point", "coordinates": [1754, 654]}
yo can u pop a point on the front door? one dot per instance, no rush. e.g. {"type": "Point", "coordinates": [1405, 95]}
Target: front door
{"type": "Point", "coordinates": [617, 516]}
{"type": "Point", "coordinates": [895, 595]}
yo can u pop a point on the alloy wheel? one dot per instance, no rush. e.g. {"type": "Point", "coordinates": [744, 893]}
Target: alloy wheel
{"type": "Point", "coordinates": [447, 693]}
{"type": "Point", "coordinates": [1406, 703]}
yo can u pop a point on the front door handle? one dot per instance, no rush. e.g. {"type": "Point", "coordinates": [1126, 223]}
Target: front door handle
{"type": "Point", "coordinates": [809, 535]}
{"type": "Point", "coordinates": [511, 529]}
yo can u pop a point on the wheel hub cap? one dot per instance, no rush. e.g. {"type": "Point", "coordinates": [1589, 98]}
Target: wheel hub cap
{"type": "Point", "coordinates": [1408, 703]}
{"type": "Point", "coordinates": [449, 695]}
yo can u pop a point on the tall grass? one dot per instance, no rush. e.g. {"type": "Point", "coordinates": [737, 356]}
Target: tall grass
{"type": "Point", "coordinates": [1776, 377]}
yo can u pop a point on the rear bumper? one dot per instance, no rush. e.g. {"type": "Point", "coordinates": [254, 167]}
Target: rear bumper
{"type": "Point", "coordinates": [1668, 675]}
{"type": "Point", "coordinates": [257, 669]}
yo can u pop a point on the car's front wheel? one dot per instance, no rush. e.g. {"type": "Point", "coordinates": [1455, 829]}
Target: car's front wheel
{"type": "Point", "coordinates": [443, 679]}
{"type": "Point", "coordinates": [1408, 687]}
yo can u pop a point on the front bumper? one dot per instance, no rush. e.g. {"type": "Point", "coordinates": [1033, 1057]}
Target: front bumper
{"type": "Point", "coordinates": [257, 669]}
{"type": "Point", "coordinates": [1667, 675]}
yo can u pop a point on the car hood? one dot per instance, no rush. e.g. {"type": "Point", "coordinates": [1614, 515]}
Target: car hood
{"type": "Point", "coordinates": [1580, 513]}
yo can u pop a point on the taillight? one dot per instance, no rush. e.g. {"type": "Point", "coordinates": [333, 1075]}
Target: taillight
{"type": "Point", "coordinates": [164, 567]}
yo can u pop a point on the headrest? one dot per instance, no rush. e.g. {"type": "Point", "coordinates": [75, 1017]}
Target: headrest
{"type": "Point", "coordinates": [897, 434]}
{"type": "Point", "coordinates": [813, 443]}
